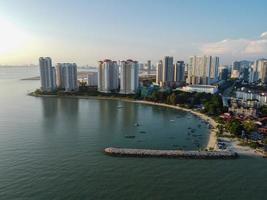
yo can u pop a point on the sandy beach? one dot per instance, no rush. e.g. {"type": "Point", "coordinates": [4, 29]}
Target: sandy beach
{"type": "Point", "coordinates": [233, 145]}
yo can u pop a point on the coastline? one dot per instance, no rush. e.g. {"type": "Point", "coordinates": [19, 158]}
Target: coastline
{"type": "Point", "coordinates": [212, 141]}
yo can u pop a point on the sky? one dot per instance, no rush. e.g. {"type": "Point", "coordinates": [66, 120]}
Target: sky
{"type": "Point", "coordinates": [85, 31]}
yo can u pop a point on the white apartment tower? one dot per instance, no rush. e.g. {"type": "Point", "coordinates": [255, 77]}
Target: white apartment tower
{"type": "Point", "coordinates": [108, 76]}
{"type": "Point", "coordinates": [159, 72]}
{"type": "Point", "coordinates": [203, 70]}
{"type": "Point", "coordinates": [129, 80]}
{"type": "Point", "coordinates": [258, 71]}
{"type": "Point", "coordinates": [67, 76]}
{"type": "Point", "coordinates": [47, 74]}
{"type": "Point", "coordinates": [92, 79]}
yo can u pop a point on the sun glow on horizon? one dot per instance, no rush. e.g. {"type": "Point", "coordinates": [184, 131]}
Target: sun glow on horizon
{"type": "Point", "coordinates": [12, 38]}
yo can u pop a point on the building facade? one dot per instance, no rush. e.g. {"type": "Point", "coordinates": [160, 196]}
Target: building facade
{"type": "Point", "coordinates": [67, 76]}
{"type": "Point", "coordinates": [129, 80]}
{"type": "Point", "coordinates": [224, 74]}
{"type": "Point", "coordinates": [168, 70]}
{"type": "Point", "coordinates": [92, 79]}
{"type": "Point", "coordinates": [47, 74]}
{"type": "Point", "coordinates": [108, 76]}
{"type": "Point", "coordinates": [179, 71]}
{"type": "Point", "coordinates": [149, 67]}
{"type": "Point", "coordinates": [203, 70]}
{"type": "Point", "coordinates": [258, 72]}
{"type": "Point", "coordinates": [201, 88]}
{"type": "Point", "coordinates": [159, 73]}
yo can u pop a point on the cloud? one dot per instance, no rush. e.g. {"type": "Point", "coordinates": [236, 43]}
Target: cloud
{"type": "Point", "coordinates": [264, 35]}
{"type": "Point", "coordinates": [237, 48]}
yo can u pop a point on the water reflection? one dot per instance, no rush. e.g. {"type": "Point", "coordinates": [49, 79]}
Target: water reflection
{"type": "Point", "coordinates": [128, 119]}
{"type": "Point", "coordinates": [60, 114]}
{"type": "Point", "coordinates": [49, 108]}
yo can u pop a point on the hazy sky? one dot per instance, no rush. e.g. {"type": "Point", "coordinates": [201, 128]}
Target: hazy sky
{"type": "Point", "coordinates": [85, 31]}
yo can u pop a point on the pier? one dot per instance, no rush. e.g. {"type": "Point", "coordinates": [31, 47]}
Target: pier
{"type": "Point", "coordinates": [170, 153]}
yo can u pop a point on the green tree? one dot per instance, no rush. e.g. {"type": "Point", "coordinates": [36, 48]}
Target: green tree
{"type": "Point", "coordinates": [172, 99]}
{"type": "Point", "coordinates": [249, 126]}
{"type": "Point", "coordinates": [234, 127]}
{"type": "Point", "coordinates": [263, 110]}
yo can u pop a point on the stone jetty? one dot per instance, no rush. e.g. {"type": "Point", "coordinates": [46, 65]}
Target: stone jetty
{"type": "Point", "coordinates": [170, 153]}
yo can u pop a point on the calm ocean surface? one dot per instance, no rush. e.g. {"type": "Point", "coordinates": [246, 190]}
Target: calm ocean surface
{"type": "Point", "coordinates": [52, 148]}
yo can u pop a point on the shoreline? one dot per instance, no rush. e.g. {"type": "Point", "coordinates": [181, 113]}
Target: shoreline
{"type": "Point", "coordinates": [212, 141]}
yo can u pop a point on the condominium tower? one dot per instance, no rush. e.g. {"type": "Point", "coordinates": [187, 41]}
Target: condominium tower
{"type": "Point", "coordinates": [67, 76]}
{"type": "Point", "coordinates": [168, 70]}
{"type": "Point", "coordinates": [179, 70]}
{"type": "Point", "coordinates": [203, 70]}
{"type": "Point", "coordinates": [159, 72]}
{"type": "Point", "coordinates": [92, 79]}
{"type": "Point", "coordinates": [108, 76]}
{"type": "Point", "coordinates": [258, 71]}
{"type": "Point", "coordinates": [47, 74]}
{"type": "Point", "coordinates": [129, 80]}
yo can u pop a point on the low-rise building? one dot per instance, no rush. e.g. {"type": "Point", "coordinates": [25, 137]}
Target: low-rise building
{"type": "Point", "coordinates": [246, 94]}
{"type": "Point", "coordinates": [201, 88]}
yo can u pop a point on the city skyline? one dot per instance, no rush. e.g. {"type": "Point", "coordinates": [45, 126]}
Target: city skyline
{"type": "Point", "coordinates": [81, 33]}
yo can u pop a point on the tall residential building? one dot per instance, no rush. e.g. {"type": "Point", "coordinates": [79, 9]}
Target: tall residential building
{"type": "Point", "coordinates": [203, 70]}
{"type": "Point", "coordinates": [264, 73]}
{"type": "Point", "coordinates": [242, 67]}
{"type": "Point", "coordinates": [129, 80]}
{"type": "Point", "coordinates": [179, 71]}
{"type": "Point", "coordinates": [92, 79]}
{"type": "Point", "coordinates": [224, 73]}
{"type": "Point", "coordinates": [149, 67]}
{"type": "Point", "coordinates": [236, 66]}
{"type": "Point", "coordinates": [108, 76]}
{"type": "Point", "coordinates": [168, 70]}
{"type": "Point", "coordinates": [67, 76]}
{"type": "Point", "coordinates": [262, 68]}
{"type": "Point", "coordinates": [159, 72]}
{"type": "Point", "coordinates": [258, 71]}
{"type": "Point", "coordinates": [59, 75]}
{"type": "Point", "coordinates": [47, 74]}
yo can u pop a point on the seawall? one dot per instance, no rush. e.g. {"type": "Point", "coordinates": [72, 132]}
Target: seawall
{"type": "Point", "coordinates": [170, 153]}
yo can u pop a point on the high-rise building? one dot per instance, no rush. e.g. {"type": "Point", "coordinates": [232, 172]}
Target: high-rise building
{"type": "Point", "coordinates": [141, 66]}
{"type": "Point", "coordinates": [159, 72]}
{"type": "Point", "coordinates": [224, 73]}
{"type": "Point", "coordinates": [235, 74]}
{"type": "Point", "coordinates": [168, 70]}
{"type": "Point", "coordinates": [67, 76]}
{"type": "Point", "coordinates": [59, 75]}
{"type": "Point", "coordinates": [258, 71]}
{"type": "Point", "coordinates": [108, 76]}
{"type": "Point", "coordinates": [203, 70]}
{"type": "Point", "coordinates": [47, 74]}
{"type": "Point", "coordinates": [243, 68]}
{"type": "Point", "coordinates": [263, 75]}
{"type": "Point", "coordinates": [179, 71]}
{"type": "Point", "coordinates": [236, 66]}
{"type": "Point", "coordinates": [129, 80]}
{"type": "Point", "coordinates": [149, 67]}
{"type": "Point", "coordinates": [262, 69]}
{"type": "Point", "coordinates": [92, 79]}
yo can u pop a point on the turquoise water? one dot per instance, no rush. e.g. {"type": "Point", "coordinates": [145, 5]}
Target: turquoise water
{"type": "Point", "coordinates": [53, 149]}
